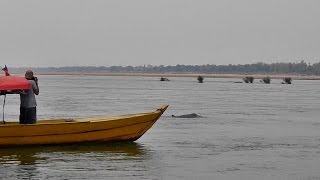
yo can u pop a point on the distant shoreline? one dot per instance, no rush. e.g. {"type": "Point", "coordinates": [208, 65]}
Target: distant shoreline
{"type": "Point", "coordinates": [256, 76]}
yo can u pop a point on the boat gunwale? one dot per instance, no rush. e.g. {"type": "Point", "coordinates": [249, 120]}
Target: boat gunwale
{"type": "Point", "coordinates": [78, 120]}
{"type": "Point", "coordinates": [83, 132]}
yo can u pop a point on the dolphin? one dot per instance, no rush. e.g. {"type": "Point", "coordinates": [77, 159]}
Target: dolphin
{"type": "Point", "coordinates": [192, 115]}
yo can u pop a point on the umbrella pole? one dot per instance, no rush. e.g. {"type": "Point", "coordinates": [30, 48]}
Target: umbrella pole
{"type": "Point", "coordinates": [4, 102]}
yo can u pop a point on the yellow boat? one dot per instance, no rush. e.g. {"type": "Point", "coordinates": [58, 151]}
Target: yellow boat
{"type": "Point", "coordinates": [128, 127]}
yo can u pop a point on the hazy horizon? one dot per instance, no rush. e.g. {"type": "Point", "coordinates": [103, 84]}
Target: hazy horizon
{"type": "Point", "coordinates": [23, 67]}
{"type": "Point", "coordinates": [60, 33]}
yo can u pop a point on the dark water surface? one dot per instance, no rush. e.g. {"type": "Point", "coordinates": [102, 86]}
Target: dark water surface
{"type": "Point", "coordinates": [248, 131]}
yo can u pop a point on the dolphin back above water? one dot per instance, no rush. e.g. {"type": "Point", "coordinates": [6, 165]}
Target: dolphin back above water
{"type": "Point", "coordinates": [192, 115]}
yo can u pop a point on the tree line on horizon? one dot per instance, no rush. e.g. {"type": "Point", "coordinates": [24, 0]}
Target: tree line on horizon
{"type": "Point", "coordinates": [301, 68]}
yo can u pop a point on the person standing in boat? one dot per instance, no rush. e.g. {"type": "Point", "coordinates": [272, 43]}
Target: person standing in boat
{"type": "Point", "coordinates": [28, 104]}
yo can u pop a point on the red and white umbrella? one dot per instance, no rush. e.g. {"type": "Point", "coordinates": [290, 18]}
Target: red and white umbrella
{"type": "Point", "coordinates": [11, 83]}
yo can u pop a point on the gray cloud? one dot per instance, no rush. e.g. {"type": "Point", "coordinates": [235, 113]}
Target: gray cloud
{"type": "Point", "coordinates": [168, 32]}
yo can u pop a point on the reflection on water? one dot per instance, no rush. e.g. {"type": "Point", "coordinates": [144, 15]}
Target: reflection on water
{"type": "Point", "coordinates": [30, 155]}
{"type": "Point", "coordinates": [36, 162]}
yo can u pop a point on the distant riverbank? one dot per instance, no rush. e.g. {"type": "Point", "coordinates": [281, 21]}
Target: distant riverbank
{"type": "Point", "coordinates": [256, 76]}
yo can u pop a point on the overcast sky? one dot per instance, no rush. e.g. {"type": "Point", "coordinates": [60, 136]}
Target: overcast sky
{"type": "Point", "coordinates": [157, 32]}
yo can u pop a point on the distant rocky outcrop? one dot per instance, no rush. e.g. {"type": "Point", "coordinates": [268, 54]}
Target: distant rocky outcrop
{"type": "Point", "coordinates": [200, 79]}
{"type": "Point", "coordinates": [266, 80]}
{"type": "Point", "coordinates": [164, 79]}
{"type": "Point", "coordinates": [287, 80]}
{"type": "Point", "coordinates": [248, 79]}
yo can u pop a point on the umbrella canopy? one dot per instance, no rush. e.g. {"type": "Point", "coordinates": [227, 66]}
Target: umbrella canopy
{"type": "Point", "coordinates": [13, 83]}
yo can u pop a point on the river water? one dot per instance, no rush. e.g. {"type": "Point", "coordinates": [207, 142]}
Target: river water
{"type": "Point", "coordinates": [248, 131]}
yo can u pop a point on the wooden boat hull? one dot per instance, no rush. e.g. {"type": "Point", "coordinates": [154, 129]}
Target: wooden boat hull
{"type": "Point", "coordinates": [65, 131]}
